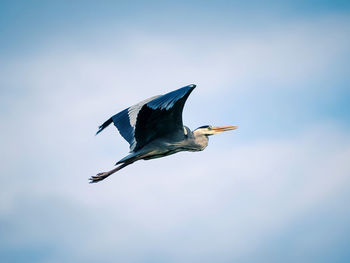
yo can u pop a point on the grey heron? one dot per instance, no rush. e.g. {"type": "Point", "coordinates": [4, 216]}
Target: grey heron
{"type": "Point", "coordinates": [154, 129]}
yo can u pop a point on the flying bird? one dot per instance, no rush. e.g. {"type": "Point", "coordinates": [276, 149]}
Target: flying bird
{"type": "Point", "coordinates": [154, 129]}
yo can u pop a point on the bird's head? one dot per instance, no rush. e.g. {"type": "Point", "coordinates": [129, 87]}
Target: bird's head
{"type": "Point", "coordinates": [208, 130]}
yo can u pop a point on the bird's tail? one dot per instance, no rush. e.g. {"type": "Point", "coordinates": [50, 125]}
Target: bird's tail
{"type": "Point", "coordinates": [104, 125]}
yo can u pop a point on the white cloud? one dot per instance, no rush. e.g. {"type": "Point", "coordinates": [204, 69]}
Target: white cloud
{"type": "Point", "coordinates": [143, 61]}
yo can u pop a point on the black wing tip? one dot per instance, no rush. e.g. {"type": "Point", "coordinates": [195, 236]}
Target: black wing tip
{"type": "Point", "coordinates": [189, 88]}
{"type": "Point", "coordinates": [99, 130]}
{"type": "Point", "coordinates": [104, 125]}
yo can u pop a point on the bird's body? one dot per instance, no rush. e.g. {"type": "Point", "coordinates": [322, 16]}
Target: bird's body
{"type": "Point", "coordinates": [154, 129]}
{"type": "Point", "coordinates": [170, 144]}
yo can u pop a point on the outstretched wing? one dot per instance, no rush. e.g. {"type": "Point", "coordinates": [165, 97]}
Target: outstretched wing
{"type": "Point", "coordinates": [161, 116]}
{"type": "Point", "coordinates": [125, 121]}
{"type": "Point", "coordinates": [151, 118]}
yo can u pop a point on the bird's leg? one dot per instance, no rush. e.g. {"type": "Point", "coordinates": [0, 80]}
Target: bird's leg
{"type": "Point", "coordinates": [104, 175]}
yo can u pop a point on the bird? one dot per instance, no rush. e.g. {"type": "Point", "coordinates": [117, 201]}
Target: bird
{"type": "Point", "coordinates": [154, 129]}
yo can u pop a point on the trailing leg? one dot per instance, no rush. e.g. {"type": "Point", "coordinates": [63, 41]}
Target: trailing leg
{"type": "Point", "coordinates": [101, 176]}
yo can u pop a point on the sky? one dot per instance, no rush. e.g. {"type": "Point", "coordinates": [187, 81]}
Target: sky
{"type": "Point", "coordinates": [274, 190]}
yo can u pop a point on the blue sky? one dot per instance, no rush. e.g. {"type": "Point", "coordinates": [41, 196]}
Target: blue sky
{"type": "Point", "coordinates": [274, 190]}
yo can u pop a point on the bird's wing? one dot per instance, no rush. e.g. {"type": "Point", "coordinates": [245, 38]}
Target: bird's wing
{"type": "Point", "coordinates": [151, 118]}
{"type": "Point", "coordinates": [160, 116]}
{"type": "Point", "coordinates": [125, 120]}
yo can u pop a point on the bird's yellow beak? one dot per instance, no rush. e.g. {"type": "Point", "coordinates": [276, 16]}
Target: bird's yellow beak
{"type": "Point", "coordinates": [223, 128]}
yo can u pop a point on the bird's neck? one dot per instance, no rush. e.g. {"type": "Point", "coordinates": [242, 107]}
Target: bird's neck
{"type": "Point", "coordinates": [201, 141]}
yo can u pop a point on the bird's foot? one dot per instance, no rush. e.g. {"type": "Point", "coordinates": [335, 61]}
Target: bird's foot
{"type": "Point", "coordinates": [99, 177]}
